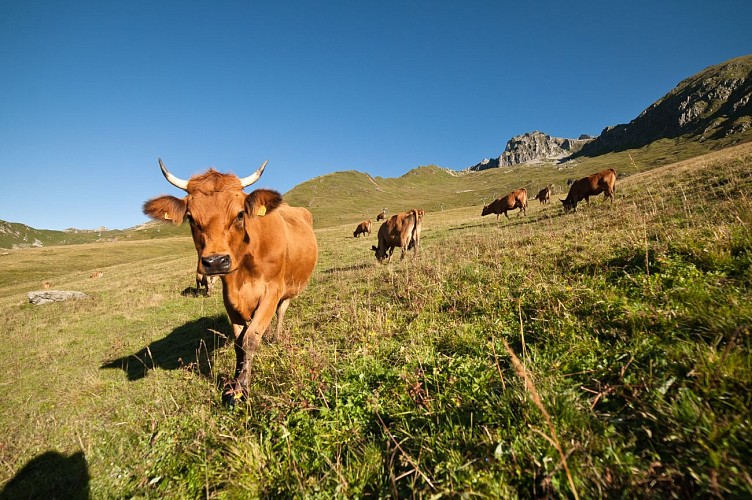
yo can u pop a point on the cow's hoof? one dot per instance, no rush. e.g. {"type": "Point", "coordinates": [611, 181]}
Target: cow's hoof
{"type": "Point", "coordinates": [231, 397]}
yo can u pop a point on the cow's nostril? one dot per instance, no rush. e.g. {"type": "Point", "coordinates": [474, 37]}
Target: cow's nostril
{"type": "Point", "coordinates": [214, 264]}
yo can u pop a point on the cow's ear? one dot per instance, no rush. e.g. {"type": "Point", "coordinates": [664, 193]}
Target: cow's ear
{"type": "Point", "coordinates": [166, 208]}
{"type": "Point", "coordinates": [261, 202]}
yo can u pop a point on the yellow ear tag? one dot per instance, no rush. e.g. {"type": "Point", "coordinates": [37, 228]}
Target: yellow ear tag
{"type": "Point", "coordinates": [166, 216]}
{"type": "Point", "coordinates": [261, 211]}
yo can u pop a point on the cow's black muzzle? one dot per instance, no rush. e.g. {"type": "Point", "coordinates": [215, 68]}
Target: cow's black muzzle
{"type": "Point", "coordinates": [216, 264]}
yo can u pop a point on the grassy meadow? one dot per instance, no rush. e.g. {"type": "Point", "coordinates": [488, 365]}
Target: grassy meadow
{"type": "Point", "coordinates": [604, 353]}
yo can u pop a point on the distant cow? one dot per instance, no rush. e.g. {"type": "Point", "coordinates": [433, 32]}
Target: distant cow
{"type": "Point", "coordinates": [544, 195]}
{"type": "Point", "coordinates": [205, 282]}
{"type": "Point", "coordinates": [96, 274]}
{"type": "Point", "coordinates": [400, 230]}
{"type": "Point", "coordinates": [515, 199]}
{"type": "Point", "coordinates": [592, 185]}
{"type": "Point", "coordinates": [363, 228]}
{"type": "Point", "coordinates": [381, 216]}
{"type": "Point", "coordinates": [263, 249]}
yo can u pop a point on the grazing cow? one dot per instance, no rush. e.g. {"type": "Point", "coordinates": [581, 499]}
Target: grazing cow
{"type": "Point", "coordinates": [363, 228]}
{"type": "Point", "coordinates": [544, 195]}
{"type": "Point", "coordinates": [515, 199]}
{"type": "Point", "coordinates": [592, 185]}
{"type": "Point", "coordinates": [381, 216]}
{"type": "Point", "coordinates": [400, 230]}
{"type": "Point", "coordinates": [96, 274]}
{"type": "Point", "coordinates": [206, 282]}
{"type": "Point", "coordinates": [263, 249]}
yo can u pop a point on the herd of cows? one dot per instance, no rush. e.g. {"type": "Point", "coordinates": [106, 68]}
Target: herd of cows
{"type": "Point", "coordinates": [403, 229]}
{"type": "Point", "coordinates": [265, 250]}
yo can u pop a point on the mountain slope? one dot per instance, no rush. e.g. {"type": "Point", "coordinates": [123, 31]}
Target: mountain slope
{"type": "Point", "coordinates": [714, 104]}
{"type": "Point", "coordinates": [350, 197]}
{"type": "Point", "coordinates": [15, 235]}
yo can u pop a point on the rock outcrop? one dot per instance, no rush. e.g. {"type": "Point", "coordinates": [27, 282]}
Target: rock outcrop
{"type": "Point", "coordinates": [49, 296]}
{"type": "Point", "coordinates": [533, 146]}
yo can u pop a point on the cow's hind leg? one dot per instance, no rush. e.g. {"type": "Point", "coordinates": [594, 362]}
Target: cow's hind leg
{"type": "Point", "coordinates": [281, 310]}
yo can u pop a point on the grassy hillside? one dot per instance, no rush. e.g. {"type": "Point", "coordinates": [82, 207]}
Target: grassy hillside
{"type": "Point", "coordinates": [15, 235]}
{"type": "Point", "coordinates": [350, 197]}
{"type": "Point", "coordinates": [605, 352]}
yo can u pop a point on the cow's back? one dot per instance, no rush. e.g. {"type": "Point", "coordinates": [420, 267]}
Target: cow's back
{"type": "Point", "coordinates": [398, 225]}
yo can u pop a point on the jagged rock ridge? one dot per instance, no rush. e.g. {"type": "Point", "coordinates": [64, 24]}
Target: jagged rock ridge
{"type": "Point", "coordinates": [533, 146]}
{"type": "Point", "coordinates": [713, 104]}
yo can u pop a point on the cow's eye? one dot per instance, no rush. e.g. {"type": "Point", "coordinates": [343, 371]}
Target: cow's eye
{"type": "Point", "coordinates": [241, 216]}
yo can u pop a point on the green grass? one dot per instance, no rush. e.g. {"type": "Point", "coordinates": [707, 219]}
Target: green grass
{"type": "Point", "coordinates": [632, 321]}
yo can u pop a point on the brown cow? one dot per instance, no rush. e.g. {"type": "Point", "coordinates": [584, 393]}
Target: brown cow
{"type": "Point", "coordinates": [381, 216]}
{"type": "Point", "coordinates": [544, 195]}
{"type": "Point", "coordinates": [400, 230]}
{"type": "Point", "coordinates": [263, 249]}
{"type": "Point", "coordinates": [592, 185]}
{"type": "Point", "coordinates": [363, 228]}
{"type": "Point", "coordinates": [515, 199]}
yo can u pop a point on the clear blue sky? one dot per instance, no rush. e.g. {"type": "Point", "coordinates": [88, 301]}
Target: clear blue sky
{"type": "Point", "coordinates": [92, 92]}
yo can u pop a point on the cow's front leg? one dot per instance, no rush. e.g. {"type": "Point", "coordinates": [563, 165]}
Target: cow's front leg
{"type": "Point", "coordinates": [251, 338]}
{"type": "Point", "coordinates": [233, 392]}
{"type": "Point", "coordinates": [239, 334]}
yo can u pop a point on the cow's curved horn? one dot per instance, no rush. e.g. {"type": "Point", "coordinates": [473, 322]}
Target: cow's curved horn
{"type": "Point", "coordinates": [247, 181]}
{"type": "Point", "coordinates": [175, 181]}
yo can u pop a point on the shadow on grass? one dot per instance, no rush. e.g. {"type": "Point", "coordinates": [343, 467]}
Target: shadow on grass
{"type": "Point", "coordinates": [50, 475]}
{"type": "Point", "coordinates": [189, 346]}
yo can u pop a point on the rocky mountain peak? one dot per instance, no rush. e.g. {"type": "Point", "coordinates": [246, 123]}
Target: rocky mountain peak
{"type": "Point", "coordinates": [533, 146]}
